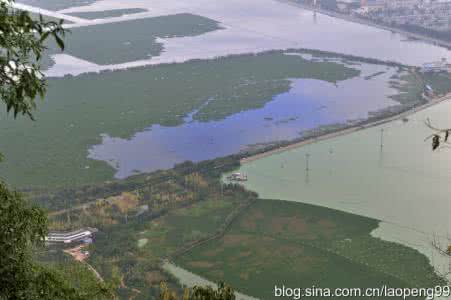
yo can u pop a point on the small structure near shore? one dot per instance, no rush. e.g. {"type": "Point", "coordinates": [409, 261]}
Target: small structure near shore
{"type": "Point", "coordinates": [237, 177]}
{"type": "Point", "coordinates": [436, 67]}
{"type": "Point", "coordinates": [428, 90]}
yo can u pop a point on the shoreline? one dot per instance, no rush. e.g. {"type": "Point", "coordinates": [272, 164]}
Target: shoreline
{"type": "Point", "coordinates": [358, 20]}
{"type": "Point", "coordinates": [341, 132]}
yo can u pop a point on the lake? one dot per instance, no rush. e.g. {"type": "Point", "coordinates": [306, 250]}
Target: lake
{"type": "Point", "coordinates": [405, 185]}
{"type": "Point", "coordinates": [248, 27]}
{"type": "Point", "coordinates": [308, 104]}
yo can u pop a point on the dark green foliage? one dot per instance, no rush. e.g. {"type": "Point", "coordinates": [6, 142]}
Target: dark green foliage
{"type": "Point", "coordinates": [22, 42]}
{"type": "Point", "coordinates": [54, 200]}
{"type": "Point", "coordinates": [223, 292]}
{"type": "Point", "coordinates": [24, 227]}
{"type": "Point", "coordinates": [188, 211]}
{"type": "Point", "coordinates": [21, 226]}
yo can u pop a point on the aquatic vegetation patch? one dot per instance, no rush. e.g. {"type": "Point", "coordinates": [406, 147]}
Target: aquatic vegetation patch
{"type": "Point", "coordinates": [131, 40]}
{"type": "Point", "coordinates": [78, 110]}
{"type": "Point", "coordinates": [299, 245]}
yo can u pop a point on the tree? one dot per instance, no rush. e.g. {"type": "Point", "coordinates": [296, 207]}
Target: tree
{"type": "Point", "coordinates": [223, 292]}
{"type": "Point", "coordinates": [22, 42]}
{"type": "Point", "coordinates": [440, 138]}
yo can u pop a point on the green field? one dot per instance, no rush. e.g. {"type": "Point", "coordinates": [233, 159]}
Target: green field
{"type": "Point", "coordinates": [92, 15]}
{"type": "Point", "coordinates": [53, 150]}
{"type": "Point", "coordinates": [299, 245]}
{"type": "Point", "coordinates": [131, 40]}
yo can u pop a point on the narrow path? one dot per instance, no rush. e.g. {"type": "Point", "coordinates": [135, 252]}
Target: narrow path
{"type": "Point", "coordinates": [220, 232]}
{"type": "Point", "coordinates": [99, 277]}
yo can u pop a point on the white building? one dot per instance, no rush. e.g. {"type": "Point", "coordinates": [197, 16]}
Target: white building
{"type": "Point", "coordinates": [436, 67]}
{"type": "Point", "coordinates": [70, 236]}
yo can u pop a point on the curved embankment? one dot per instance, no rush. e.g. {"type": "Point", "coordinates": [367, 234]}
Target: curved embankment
{"type": "Point", "coordinates": [348, 130]}
{"type": "Point", "coordinates": [358, 20]}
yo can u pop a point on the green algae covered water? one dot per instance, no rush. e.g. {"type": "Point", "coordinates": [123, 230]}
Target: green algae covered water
{"type": "Point", "coordinates": [403, 183]}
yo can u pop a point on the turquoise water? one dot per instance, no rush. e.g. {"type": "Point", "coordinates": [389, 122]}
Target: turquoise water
{"type": "Point", "coordinates": [405, 185]}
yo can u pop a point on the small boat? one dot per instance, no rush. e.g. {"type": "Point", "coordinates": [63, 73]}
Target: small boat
{"type": "Point", "coordinates": [237, 177]}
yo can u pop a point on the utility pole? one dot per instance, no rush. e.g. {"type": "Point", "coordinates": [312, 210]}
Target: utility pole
{"type": "Point", "coordinates": [382, 139]}
{"type": "Point", "coordinates": [68, 213]}
{"type": "Point", "coordinates": [448, 252]}
{"type": "Point", "coordinates": [307, 167]}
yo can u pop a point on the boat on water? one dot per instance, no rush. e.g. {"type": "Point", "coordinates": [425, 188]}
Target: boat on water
{"type": "Point", "coordinates": [237, 177]}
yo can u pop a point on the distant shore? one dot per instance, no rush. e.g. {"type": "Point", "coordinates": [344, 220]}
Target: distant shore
{"type": "Point", "coordinates": [348, 130]}
{"type": "Point", "coordinates": [358, 20]}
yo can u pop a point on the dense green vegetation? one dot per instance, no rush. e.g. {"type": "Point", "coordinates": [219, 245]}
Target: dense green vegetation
{"type": "Point", "coordinates": [79, 109]}
{"type": "Point", "coordinates": [91, 15]}
{"type": "Point", "coordinates": [133, 39]}
{"type": "Point", "coordinates": [300, 245]}
{"type": "Point", "coordinates": [226, 234]}
{"type": "Point", "coordinates": [183, 205]}
{"type": "Point", "coordinates": [22, 277]}
{"type": "Point", "coordinates": [147, 218]}
{"type": "Point", "coordinates": [24, 226]}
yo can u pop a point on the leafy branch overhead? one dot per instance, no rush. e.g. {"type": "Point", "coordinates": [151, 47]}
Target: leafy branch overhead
{"type": "Point", "coordinates": [22, 42]}
{"type": "Point", "coordinates": [440, 137]}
